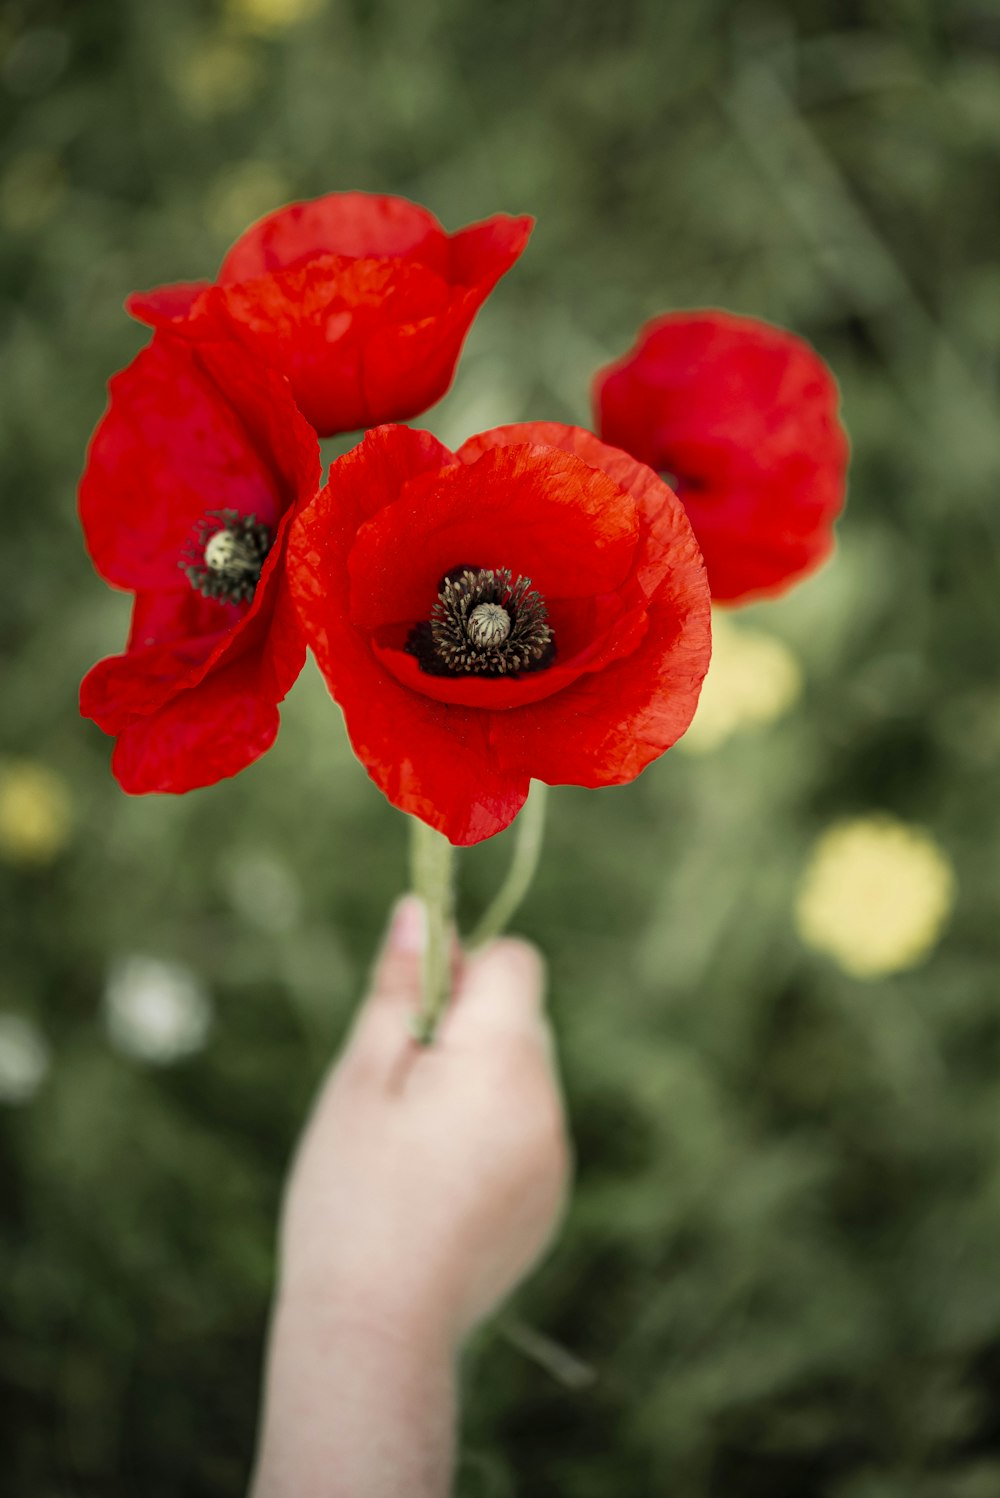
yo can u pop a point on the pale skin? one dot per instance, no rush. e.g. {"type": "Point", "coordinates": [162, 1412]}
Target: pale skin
{"type": "Point", "coordinates": [429, 1181]}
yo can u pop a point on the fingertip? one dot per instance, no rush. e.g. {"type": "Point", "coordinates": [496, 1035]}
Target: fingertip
{"type": "Point", "coordinates": [407, 934]}
{"type": "Point", "coordinates": [397, 967]}
{"type": "Point", "coordinates": [508, 975]}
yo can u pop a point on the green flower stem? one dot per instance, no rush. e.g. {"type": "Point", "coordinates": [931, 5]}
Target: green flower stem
{"type": "Point", "coordinates": [529, 830]}
{"type": "Point", "coordinates": [432, 876]}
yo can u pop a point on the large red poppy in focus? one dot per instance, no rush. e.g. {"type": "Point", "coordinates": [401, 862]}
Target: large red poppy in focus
{"type": "Point", "coordinates": [534, 605]}
{"type": "Point", "coordinates": [192, 478]}
{"type": "Point", "coordinates": [363, 302]}
{"type": "Point", "coordinates": [742, 418]}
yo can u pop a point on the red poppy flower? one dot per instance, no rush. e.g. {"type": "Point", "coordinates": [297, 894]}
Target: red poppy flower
{"type": "Point", "coordinates": [741, 417]}
{"type": "Point", "coordinates": [534, 605]}
{"type": "Point", "coordinates": [192, 478]}
{"type": "Point", "coordinates": [362, 301]}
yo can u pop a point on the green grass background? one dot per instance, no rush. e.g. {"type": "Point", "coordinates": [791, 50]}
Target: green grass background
{"type": "Point", "coordinates": [783, 1257]}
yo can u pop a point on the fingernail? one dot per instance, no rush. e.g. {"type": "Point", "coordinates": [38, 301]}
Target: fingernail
{"type": "Point", "coordinates": [408, 930]}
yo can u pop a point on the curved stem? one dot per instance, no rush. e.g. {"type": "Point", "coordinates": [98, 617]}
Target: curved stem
{"type": "Point", "coordinates": [529, 830]}
{"type": "Point", "coordinates": [432, 877]}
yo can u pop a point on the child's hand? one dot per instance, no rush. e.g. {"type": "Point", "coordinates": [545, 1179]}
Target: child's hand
{"type": "Point", "coordinates": [428, 1182]}
{"type": "Point", "coordinates": [430, 1179]}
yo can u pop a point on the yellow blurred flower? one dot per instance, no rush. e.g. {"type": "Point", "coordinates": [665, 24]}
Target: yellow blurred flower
{"type": "Point", "coordinates": [266, 17]}
{"type": "Point", "coordinates": [215, 76]}
{"type": "Point", "coordinates": [752, 680]}
{"type": "Point", "coordinates": [31, 189]}
{"type": "Point", "coordinates": [35, 813]}
{"type": "Point", "coordinates": [243, 194]}
{"type": "Point", "coordinates": [875, 896]}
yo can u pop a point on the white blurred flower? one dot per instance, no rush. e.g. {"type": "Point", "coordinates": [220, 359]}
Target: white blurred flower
{"type": "Point", "coordinates": [752, 680]}
{"type": "Point", "coordinates": [156, 1011]}
{"type": "Point", "coordinates": [265, 892]}
{"type": "Point", "coordinates": [24, 1059]}
{"type": "Point", "coordinates": [875, 896]}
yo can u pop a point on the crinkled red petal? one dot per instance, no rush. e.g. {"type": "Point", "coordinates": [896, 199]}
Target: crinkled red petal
{"type": "Point", "coordinates": [356, 224]}
{"type": "Point", "coordinates": [173, 639]}
{"type": "Point", "coordinates": [189, 429]}
{"type": "Point", "coordinates": [179, 638]}
{"type": "Point", "coordinates": [200, 736]}
{"type": "Point", "coordinates": [338, 329]}
{"type": "Point", "coordinates": [480, 254]}
{"type": "Point", "coordinates": [745, 415]}
{"type": "Point", "coordinates": [166, 305]}
{"type": "Point", "coordinates": [428, 759]}
{"type": "Point", "coordinates": [543, 515]}
{"type": "Point", "coordinates": [608, 726]}
{"type": "Point", "coordinates": [363, 301]}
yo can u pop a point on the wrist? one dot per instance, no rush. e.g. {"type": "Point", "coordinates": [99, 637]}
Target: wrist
{"type": "Point", "coordinates": [369, 1288]}
{"type": "Point", "coordinates": [359, 1398]}
{"type": "Point", "coordinates": [387, 1323]}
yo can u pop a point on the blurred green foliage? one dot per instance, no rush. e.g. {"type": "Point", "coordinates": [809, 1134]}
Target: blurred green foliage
{"type": "Point", "coordinates": [781, 1264]}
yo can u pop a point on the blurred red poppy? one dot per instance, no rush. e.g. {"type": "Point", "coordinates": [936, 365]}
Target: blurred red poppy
{"type": "Point", "coordinates": [192, 478]}
{"type": "Point", "coordinates": [363, 302]}
{"type": "Point", "coordinates": [741, 418]}
{"type": "Point", "coordinates": [534, 605]}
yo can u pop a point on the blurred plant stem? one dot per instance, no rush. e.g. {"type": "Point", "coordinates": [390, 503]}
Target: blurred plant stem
{"type": "Point", "coordinates": [559, 1363]}
{"type": "Point", "coordinates": [432, 877]}
{"type": "Point", "coordinates": [529, 831]}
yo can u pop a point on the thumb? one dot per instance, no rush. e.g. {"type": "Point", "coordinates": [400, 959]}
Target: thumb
{"type": "Point", "coordinates": [395, 985]}
{"type": "Point", "coordinates": [396, 975]}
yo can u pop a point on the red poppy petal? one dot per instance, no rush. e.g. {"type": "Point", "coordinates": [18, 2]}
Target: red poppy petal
{"type": "Point", "coordinates": [176, 617]}
{"type": "Point", "coordinates": [543, 514]}
{"type": "Point", "coordinates": [361, 484]}
{"type": "Point", "coordinates": [481, 253]}
{"type": "Point", "coordinates": [363, 301]}
{"type": "Point", "coordinates": [636, 478]}
{"type": "Point", "coordinates": [268, 630]}
{"type": "Point", "coordinates": [177, 639]}
{"type": "Point", "coordinates": [172, 640]}
{"type": "Point", "coordinates": [629, 474]}
{"type": "Point", "coordinates": [432, 761]}
{"type": "Point", "coordinates": [607, 727]}
{"type": "Point", "coordinates": [189, 429]}
{"type": "Point", "coordinates": [357, 224]}
{"type": "Point", "coordinates": [407, 367]}
{"type": "Point", "coordinates": [747, 555]}
{"type": "Point", "coordinates": [122, 688]}
{"type": "Point", "coordinates": [427, 759]}
{"type": "Point", "coordinates": [340, 330]}
{"type": "Point", "coordinates": [200, 736]}
{"type": "Point", "coordinates": [165, 304]}
{"type": "Point", "coordinates": [745, 414]}
{"type": "Point", "coordinates": [371, 475]}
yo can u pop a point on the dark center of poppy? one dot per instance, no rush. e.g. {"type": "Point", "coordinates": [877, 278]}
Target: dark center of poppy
{"type": "Point", "coordinates": [224, 556]}
{"type": "Point", "coordinates": [484, 624]}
